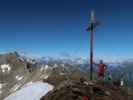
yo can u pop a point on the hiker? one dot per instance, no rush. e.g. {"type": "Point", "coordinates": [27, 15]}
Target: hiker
{"type": "Point", "coordinates": [122, 79]}
{"type": "Point", "coordinates": [101, 69]}
{"type": "Point", "coordinates": [110, 78]}
{"type": "Point", "coordinates": [85, 98]}
{"type": "Point", "coordinates": [122, 83]}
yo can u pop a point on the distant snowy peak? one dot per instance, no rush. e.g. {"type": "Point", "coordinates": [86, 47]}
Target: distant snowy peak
{"type": "Point", "coordinates": [28, 59]}
{"type": "Point", "coordinates": [128, 61]}
{"type": "Point", "coordinates": [71, 61]}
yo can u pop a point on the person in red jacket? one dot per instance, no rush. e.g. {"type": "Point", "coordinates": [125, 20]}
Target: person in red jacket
{"type": "Point", "coordinates": [101, 69]}
{"type": "Point", "coordinates": [85, 98]}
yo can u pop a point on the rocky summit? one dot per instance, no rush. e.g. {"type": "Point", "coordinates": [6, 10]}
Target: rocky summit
{"type": "Point", "coordinates": [76, 90]}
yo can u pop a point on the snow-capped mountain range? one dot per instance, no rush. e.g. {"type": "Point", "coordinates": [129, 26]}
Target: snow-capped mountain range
{"type": "Point", "coordinates": [14, 72]}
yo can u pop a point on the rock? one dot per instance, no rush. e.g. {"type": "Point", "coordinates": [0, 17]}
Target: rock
{"type": "Point", "coordinates": [78, 90]}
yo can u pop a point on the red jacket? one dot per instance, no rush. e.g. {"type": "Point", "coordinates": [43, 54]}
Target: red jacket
{"type": "Point", "coordinates": [85, 98]}
{"type": "Point", "coordinates": [101, 68]}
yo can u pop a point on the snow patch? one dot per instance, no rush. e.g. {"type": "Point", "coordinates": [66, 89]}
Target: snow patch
{"type": "Point", "coordinates": [20, 58]}
{"type": "Point", "coordinates": [33, 91]}
{"type": "Point", "coordinates": [19, 77]}
{"type": "Point", "coordinates": [46, 77]}
{"type": "Point", "coordinates": [46, 67]}
{"type": "Point", "coordinates": [55, 66]}
{"type": "Point", "coordinates": [5, 68]}
{"type": "Point", "coordinates": [122, 83]}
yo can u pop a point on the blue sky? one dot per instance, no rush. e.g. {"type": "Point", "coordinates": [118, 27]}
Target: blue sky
{"type": "Point", "coordinates": [52, 27]}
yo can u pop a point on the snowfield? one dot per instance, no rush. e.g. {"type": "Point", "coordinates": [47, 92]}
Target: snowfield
{"type": "Point", "coordinates": [33, 91]}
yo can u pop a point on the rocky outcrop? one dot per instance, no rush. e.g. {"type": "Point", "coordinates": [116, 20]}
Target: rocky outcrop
{"type": "Point", "coordinates": [75, 90]}
{"type": "Point", "coordinates": [13, 73]}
